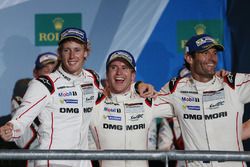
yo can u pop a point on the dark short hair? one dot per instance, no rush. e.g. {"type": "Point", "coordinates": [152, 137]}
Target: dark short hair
{"type": "Point", "coordinates": [187, 65]}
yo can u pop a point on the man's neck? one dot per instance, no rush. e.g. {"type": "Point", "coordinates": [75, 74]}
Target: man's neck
{"type": "Point", "coordinates": [203, 78]}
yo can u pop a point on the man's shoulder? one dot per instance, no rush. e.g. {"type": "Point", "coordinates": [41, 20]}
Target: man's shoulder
{"type": "Point", "coordinates": [176, 82]}
{"type": "Point", "coordinates": [101, 97]}
{"type": "Point", "coordinates": [234, 80]}
{"type": "Point", "coordinates": [48, 82]}
{"type": "Point", "coordinates": [94, 77]}
{"type": "Point", "coordinates": [230, 78]}
{"type": "Point", "coordinates": [91, 73]}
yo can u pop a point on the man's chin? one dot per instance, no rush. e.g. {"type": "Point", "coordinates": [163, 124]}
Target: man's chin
{"type": "Point", "coordinates": [210, 75]}
{"type": "Point", "coordinates": [211, 72]}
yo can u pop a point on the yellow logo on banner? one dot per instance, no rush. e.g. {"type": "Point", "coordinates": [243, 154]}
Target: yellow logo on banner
{"type": "Point", "coordinates": [200, 29]}
{"type": "Point", "coordinates": [58, 23]}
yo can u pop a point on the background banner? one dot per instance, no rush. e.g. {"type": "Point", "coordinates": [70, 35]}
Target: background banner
{"type": "Point", "coordinates": [155, 33]}
{"type": "Point", "coordinates": [162, 55]}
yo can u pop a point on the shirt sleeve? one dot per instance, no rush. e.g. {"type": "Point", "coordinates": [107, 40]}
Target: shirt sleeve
{"type": "Point", "coordinates": [162, 108]}
{"type": "Point", "coordinates": [163, 104]}
{"type": "Point", "coordinates": [242, 87]}
{"type": "Point", "coordinates": [35, 98]}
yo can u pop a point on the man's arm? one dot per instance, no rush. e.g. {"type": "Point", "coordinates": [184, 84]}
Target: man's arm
{"type": "Point", "coordinates": [246, 130]}
{"type": "Point", "coordinates": [35, 98]}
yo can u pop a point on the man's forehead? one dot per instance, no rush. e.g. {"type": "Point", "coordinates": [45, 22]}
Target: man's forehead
{"type": "Point", "coordinates": [72, 43]}
{"type": "Point", "coordinates": [119, 61]}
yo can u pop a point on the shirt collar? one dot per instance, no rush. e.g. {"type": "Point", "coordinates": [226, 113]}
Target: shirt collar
{"type": "Point", "coordinates": [70, 77]}
{"type": "Point", "coordinates": [203, 85]}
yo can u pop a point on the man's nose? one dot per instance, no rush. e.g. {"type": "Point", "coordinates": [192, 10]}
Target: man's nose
{"type": "Point", "coordinates": [119, 70]}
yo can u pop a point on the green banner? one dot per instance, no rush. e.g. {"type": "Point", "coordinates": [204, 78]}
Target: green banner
{"type": "Point", "coordinates": [186, 29]}
{"type": "Point", "coordinates": [48, 27]}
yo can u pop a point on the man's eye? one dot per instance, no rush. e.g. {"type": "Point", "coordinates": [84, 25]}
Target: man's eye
{"type": "Point", "coordinates": [113, 67]}
{"type": "Point", "coordinates": [125, 68]}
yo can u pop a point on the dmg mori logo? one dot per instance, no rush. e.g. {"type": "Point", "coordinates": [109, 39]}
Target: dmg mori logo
{"type": "Point", "coordinates": [69, 110]}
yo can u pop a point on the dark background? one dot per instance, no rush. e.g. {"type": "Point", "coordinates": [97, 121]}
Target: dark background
{"type": "Point", "coordinates": [238, 17]}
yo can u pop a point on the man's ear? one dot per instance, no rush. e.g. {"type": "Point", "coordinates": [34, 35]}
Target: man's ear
{"type": "Point", "coordinates": [133, 77]}
{"type": "Point", "coordinates": [59, 57]}
{"type": "Point", "coordinates": [85, 55]}
{"type": "Point", "coordinates": [188, 58]}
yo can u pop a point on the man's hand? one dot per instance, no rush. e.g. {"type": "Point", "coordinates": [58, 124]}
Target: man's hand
{"type": "Point", "coordinates": [146, 90]}
{"type": "Point", "coordinates": [6, 131]}
{"type": "Point", "coordinates": [222, 73]}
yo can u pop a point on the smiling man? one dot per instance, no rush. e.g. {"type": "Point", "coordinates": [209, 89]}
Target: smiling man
{"type": "Point", "coordinates": [120, 68]}
{"type": "Point", "coordinates": [122, 119]}
{"type": "Point", "coordinates": [61, 100]}
{"type": "Point", "coordinates": [209, 108]}
{"type": "Point", "coordinates": [201, 57]}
